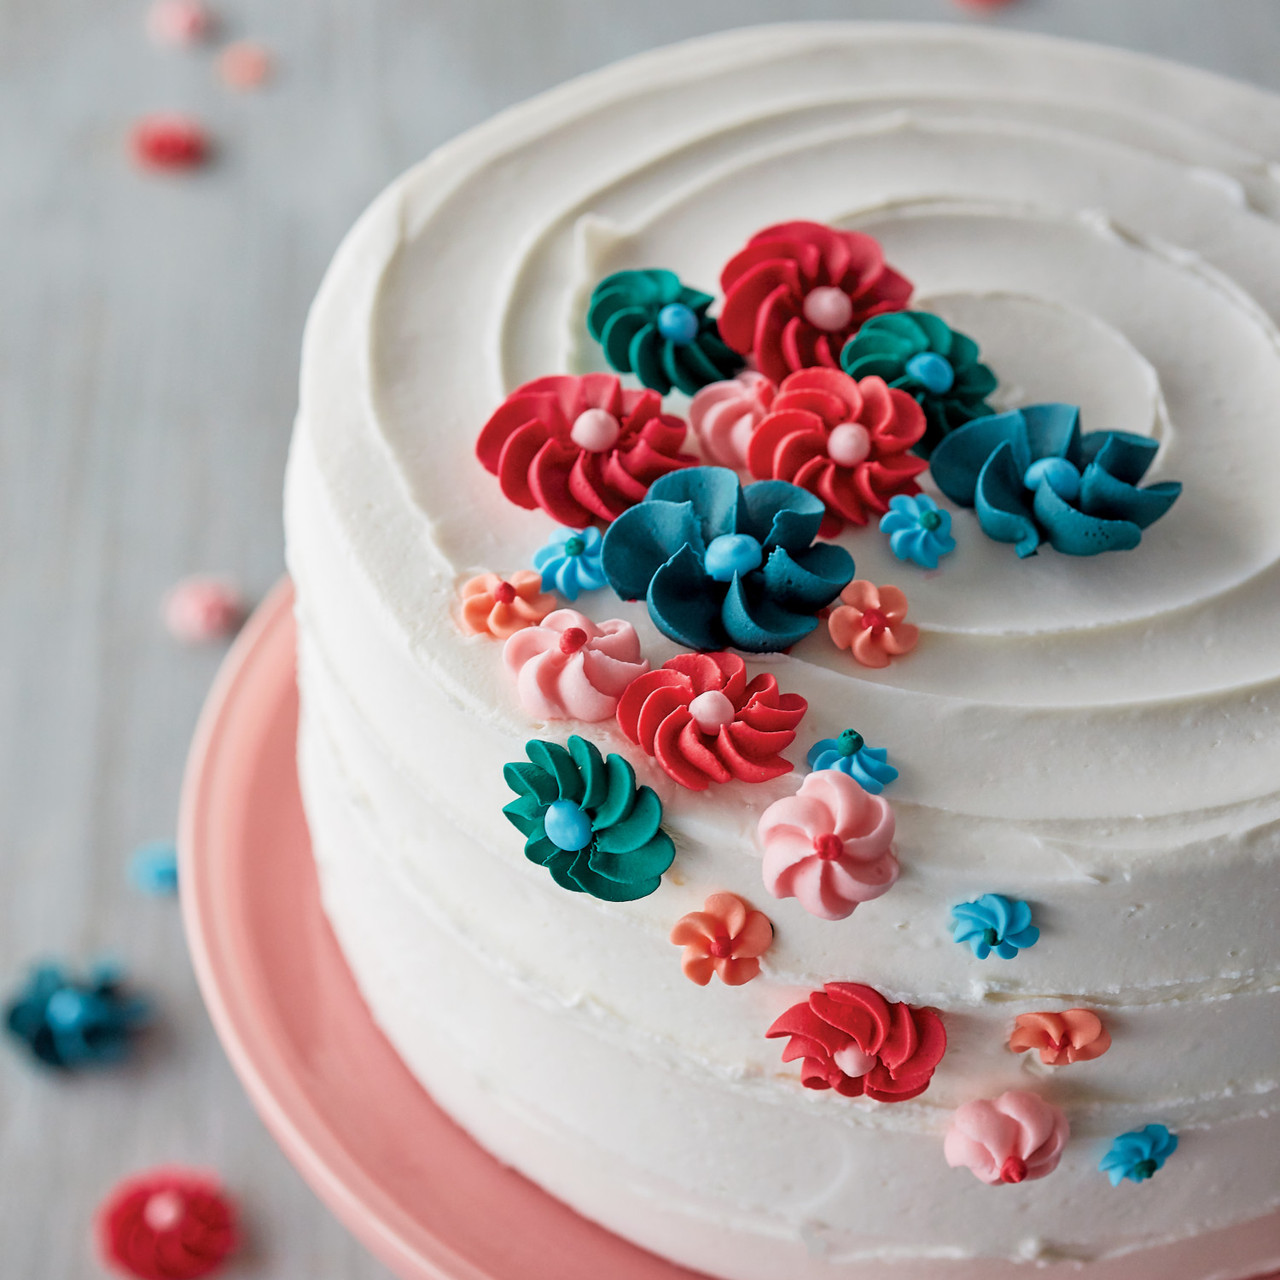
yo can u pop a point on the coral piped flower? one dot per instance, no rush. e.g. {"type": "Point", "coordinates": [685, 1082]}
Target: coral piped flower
{"type": "Point", "coordinates": [570, 668]}
{"type": "Point", "coordinates": [704, 722]}
{"type": "Point", "coordinates": [799, 291]}
{"type": "Point", "coordinates": [726, 937]}
{"type": "Point", "coordinates": [851, 1039]}
{"type": "Point", "coordinates": [1017, 1137]}
{"type": "Point", "coordinates": [724, 414]}
{"type": "Point", "coordinates": [1138, 1155]}
{"type": "Point", "coordinates": [581, 448]}
{"type": "Point", "coordinates": [829, 846]}
{"type": "Point", "coordinates": [1076, 1035]}
{"type": "Point", "coordinates": [500, 607]}
{"type": "Point", "coordinates": [847, 442]}
{"type": "Point", "coordinates": [869, 621]}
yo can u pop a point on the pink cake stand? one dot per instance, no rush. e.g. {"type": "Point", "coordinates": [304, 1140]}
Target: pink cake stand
{"type": "Point", "coordinates": [394, 1168]}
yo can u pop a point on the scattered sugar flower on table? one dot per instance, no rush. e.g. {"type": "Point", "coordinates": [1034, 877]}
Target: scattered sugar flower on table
{"type": "Point", "coordinates": [245, 65]}
{"type": "Point", "coordinates": [919, 530]}
{"type": "Point", "coordinates": [868, 766]}
{"type": "Point", "coordinates": [725, 938]}
{"type": "Point", "coordinates": [799, 291]}
{"type": "Point", "coordinates": [651, 324]}
{"type": "Point", "coordinates": [723, 416]}
{"type": "Point", "coordinates": [1138, 1155]}
{"type": "Point", "coordinates": [570, 563]}
{"type": "Point", "coordinates": [179, 23]}
{"type": "Point", "coordinates": [1017, 1137]}
{"type": "Point", "coordinates": [154, 868]}
{"type": "Point", "coordinates": [849, 1038]}
{"type": "Point", "coordinates": [203, 609]}
{"type": "Point", "coordinates": [829, 846]}
{"type": "Point", "coordinates": [169, 141]}
{"type": "Point", "coordinates": [870, 622]}
{"type": "Point", "coordinates": [705, 722]}
{"type": "Point", "coordinates": [994, 923]}
{"type": "Point", "coordinates": [167, 1224]}
{"type": "Point", "coordinates": [499, 607]}
{"type": "Point", "coordinates": [1075, 1035]}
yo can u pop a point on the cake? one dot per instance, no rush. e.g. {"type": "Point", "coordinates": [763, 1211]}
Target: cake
{"type": "Point", "coordinates": [1045, 1040]}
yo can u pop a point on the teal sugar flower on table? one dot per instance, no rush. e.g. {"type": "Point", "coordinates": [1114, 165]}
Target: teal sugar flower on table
{"type": "Point", "coordinates": [570, 562]}
{"type": "Point", "coordinates": [919, 530]}
{"type": "Point", "coordinates": [1139, 1154]}
{"type": "Point", "coordinates": [994, 923]}
{"type": "Point", "coordinates": [868, 766]}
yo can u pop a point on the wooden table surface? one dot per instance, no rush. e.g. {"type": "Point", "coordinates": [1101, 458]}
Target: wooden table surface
{"type": "Point", "coordinates": [149, 335]}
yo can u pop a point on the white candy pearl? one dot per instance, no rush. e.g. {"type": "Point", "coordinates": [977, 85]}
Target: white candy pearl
{"type": "Point", "coordinates": [852, 1061]}
{"type": "Point", "coordinates": [848, 444]}
{"type": "Point", "coordinates": [828, 308]}
{"type": "Point", "coordinates": [711, 711]}
{"type": "Point", "coordinates": [595, 430]}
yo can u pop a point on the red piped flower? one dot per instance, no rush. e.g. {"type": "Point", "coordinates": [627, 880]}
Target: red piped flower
{"type": "Point", "coordinates": [725, 937]}
{"type": "Point", "coordinates": [704, 722]}
{"type": "Point", "coordinates": [581, 448]}
{"type": "Point", "coordinates": [799, 291]}
{"type": "Point", "coordinates": [167, 1224]}
{"type": "Point", "coordinates": [843, 440]}
{"type": "Point", "coordinates": [169, 142]}
{"type": "Point", "coordinates": [851, 1039]}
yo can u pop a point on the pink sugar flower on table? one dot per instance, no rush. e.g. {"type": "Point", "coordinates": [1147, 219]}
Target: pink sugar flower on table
{"type": "Point", "coordinates": [499, 607]}
{"type": "Point", "coordinates": [178, 23]}
{"type": "Point", "coordinates": [726, 938]}
{"type": "Point", "coordinates": [244, 65]}
{"type": "Point", "coordinates": [869, 621]}
{"type": "Point", "coordinates": [829, 846]}
{"type": "Point", "coordinates": [1077, 1035]}
{"type": "Point", "coordinates": [724, 415]}
{"type": "Point", "coordinates": [202, 609]}
{"type": "Point", "coordinates": [1017, 1137]}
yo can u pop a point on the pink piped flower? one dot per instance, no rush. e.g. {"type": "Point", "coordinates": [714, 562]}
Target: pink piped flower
{"type": "Point", "coordinates": [829, 846]}
{"type": "Point", "coordinates": [1077, 1035]}
{"type": "Point", "coordinates": [724, 415]}
{"type": "Point", "coordinates": [1017, 1137]}
{"type": "Point", "coordinates": [202, 609]}
{"type": "Point", "coordinates": [570, 668]}
{"type": "Point", "coordinates": [500, 607]}
{"type": "Point", "coordinates": [869, 621]}
{"type": "Point", "coordinates": [726, 937]}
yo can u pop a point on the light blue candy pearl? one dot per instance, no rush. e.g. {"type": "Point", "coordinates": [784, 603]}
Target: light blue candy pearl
{"type": "Point", "coordinates": [732, 553]}
{"type": "Point", "coordinates": [678, 323]}
{"type": "Point", "coordinates": [932, 371]}
{"type": "Point", "coordinates": [1057, 473]}
{"type": "Point", "coordinates": [568, 828]}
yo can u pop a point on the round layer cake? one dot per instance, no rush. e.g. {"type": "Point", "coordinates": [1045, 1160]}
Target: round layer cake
{"type": "Point", "coordinates": [1091, 736]}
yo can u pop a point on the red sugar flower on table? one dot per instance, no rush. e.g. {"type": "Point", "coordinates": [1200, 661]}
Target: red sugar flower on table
{"type": "Point", "coordinates": [704, 722]}
{"type": "Point", "coordinates": [846, 441]}
{"type": "Point", "coordinates": [849, 1038]}
{"type": "Point", "coordinates": [726, 937]}
{"type": "Point", "coordinates": [581, 448]}
{"type": "Point", "coordinates": [869, 622]}
{"type": "Point", "coordinates": [1077, 1035]}
{"type": "Point", "coordinates": [164, 141]}
{"type": "Point", "coordinates": [800, 290]}
{"type": "Point", "coordinates": [500, 607]}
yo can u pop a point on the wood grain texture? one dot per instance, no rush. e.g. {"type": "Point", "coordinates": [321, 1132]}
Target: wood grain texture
{"type": "Point", "coordinates": [149, 336]}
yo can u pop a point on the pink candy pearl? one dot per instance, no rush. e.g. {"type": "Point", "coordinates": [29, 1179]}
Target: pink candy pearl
{"type": "Point", "coordinates": [848, 444]}
{"type": "Point", "coordinates": [852, 1061]}
{"type": "Point", "coordinates": [712, 711]}
{"type": "Point", "coordinates": [828, 308]}
{"type": "Point", "coordinates": [163, 1211]}
{"type": "Point", "coordinates": [595, 430]}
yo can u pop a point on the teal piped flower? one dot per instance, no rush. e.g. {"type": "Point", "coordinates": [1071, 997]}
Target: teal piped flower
{"type": "Point", "coordinates": [919, 530]}
{"type": "Point", "coordinates": [1139, 1154]}
{"type": "Point", "coordinates": [570, 562]}
{"type": "Point", "coordinates": [868, 766]}
{"type": "Point", "coordinates": [923, 356]}
{"type": "Point", "coordinates": [652, 325]}
{"type": "Point", "coordinates": [586, 821]}
{"type": "Point", "coordinates": [994, 923]}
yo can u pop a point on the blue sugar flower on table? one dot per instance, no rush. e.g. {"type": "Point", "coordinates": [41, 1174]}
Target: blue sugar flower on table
{"type": "Point", "coordinates": [1138, 1155]}
{"type": "Point", "coordinates": [570, 562]}
{"type": "Point", "coordinates": [868, 766]}
{"type": "Point", "coordinates": [154, 868]}
{"type": "Point", "coordinates": [652, 325]}
{"type": "Point", "coordinates": [719, 564]}
{"type": "Point", "coordinates": [1033, 477]}
{"type": "Point", "coordinates": [919, 530]}
{"type": "Point", "coordinates": [994, 923]}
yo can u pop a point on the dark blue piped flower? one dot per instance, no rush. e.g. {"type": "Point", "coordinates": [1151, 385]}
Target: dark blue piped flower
{"type": "Point", "coordinates": [919, 530]}
{"type": "Point", "coordinates": [1138, 1155]}
{"type": "Point", "coordinates": [994, 923]}
{"type": "Point", "coordinates": [1033, 478]}
{"type": "Point", "coordinates": [154, 868]}
{"type": "Point", "coordinates": [570, 562]}
{"type": "Point", "coordinates": [67, 1023]}
{"type": "Point", "coordinates": [652, 325]}
{"type": "Point", "coordinates": [868, 766]}
{"type": "Point", "coordinates": [719, 564]}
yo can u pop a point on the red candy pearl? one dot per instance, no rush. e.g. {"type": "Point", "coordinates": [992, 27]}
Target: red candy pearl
{"type": "Point", "coordinates": [1013, 1170]}
{"type": "Point", "coordinates": [504, 593]}
{"type": "Point", "coordinates": [572, 640]}
{"type": "Point", "coordinates": [828, 847]}
{"type": "Point", "coordinates": [721, 948]}
{"type": "Point", "coordinates": [874, 620]}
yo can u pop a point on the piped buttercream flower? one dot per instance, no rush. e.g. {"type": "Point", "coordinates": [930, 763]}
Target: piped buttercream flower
{"type": "Point", "coordinates": [1017, 1137]}
{"type": "Point", "coordinates": [846, 441]}
{"type": "Point", "coordinates": [829, 846]}
{"type": "Point", "coordinates": [799, 291]}
{"type": "Point", "coordinates": [922, 355]}
{"type": "Point", "coordinates": [919, 530]}
{"type": "Point", "coordinates": [1138, 1155]}
{"type": "Point", "coordinates": [570, 562]}
{"type": "Point", "coordinates": [868, 766]}
{"type": "Point", "coordinates": [870, 623]}
{"type": "Point", "coordinates": [849, 1038]}
{"type": "Point", "coordinates": [500, 607]}
{"type": "Point", "coordinates": [724, 414]}
{"type": "Point", "coordinates": [994, 923]}
{"type": "Point", "coordinates": [705, 722]}
{"type": "Point", "coordinates": [726, 938]}
{"type": "Point", "coordinates": [586, 821]}
{"type": "Point", "coordinates": [652, 325]}
{"type": "Point", "coordinates": [581, 448]}
{"type": "Point", "coordinates": [719, 564]}
{"type": "Point", "coordinates": [1075, 1035]}
{"type": "Point", "coordinates": [1033, 477]}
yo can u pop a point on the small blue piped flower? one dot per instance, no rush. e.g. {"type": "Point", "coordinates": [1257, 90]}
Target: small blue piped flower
{"type": "Point", "coordinates": [68, 1023]}
{"type": "Point", "coordinates": [868, 766]}
{"type": "Point", "coordinates": [994, 923]}
{"type": "Point", "coordinates": [570, 562]}
{"type": "Point", "coordinates": [1138, 1155]}
{"type": "Point", "coordinates": [154, 868]}
{"type": "Point", "coordinates": [918, 529]}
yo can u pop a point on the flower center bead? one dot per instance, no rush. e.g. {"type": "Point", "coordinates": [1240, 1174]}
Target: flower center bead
{"type": "Point", "coordinates": [721, 947]}
{"type": "Point", "coordinates": [572, 639]}
{"type": "Point", "coordinates": [574, 546]}
{"type": "Point", "coordinates": [732, 553]}
{"type": "Point", "coordinates": [163, 1211]}
{"type": "Point", "coordinates": [66, 1009]}
{"type": "Point", "coordinates": [504, 593]}
{"type": "Point", "coordinates": [848, 444]}
{"type": "Point", "coordinates": [828, 308]}
{"type": "Point", "coordinates": [930, 521]}
{"type": "Point", "coordinates": [568, 828]}
{"type": "Point", "coordinates": [873, 620]}
{"type": "Point", "coordinates": [678, 323]}
{"type": "Point", "coordinates": [932, 371]}
{"type": "Point", "coordinates": [850, 742]}
{"type": "Point", "coordinates": [1014, 1169]}
{"type": "Point", "coordinates": [852, 1061]}
{"type": "Point", "coordinates": [712, 711]}
{"type": "Point", "coordinates": [1057, 473]}
{"type": "Point", "coordinates": [595, 430]}
{"type": "Point", "coordinates": [990, 937]}
{"type": "Point", "coordinates": [1144, 1169]}
{"type": "Point", "coordinates": [828, 847]}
